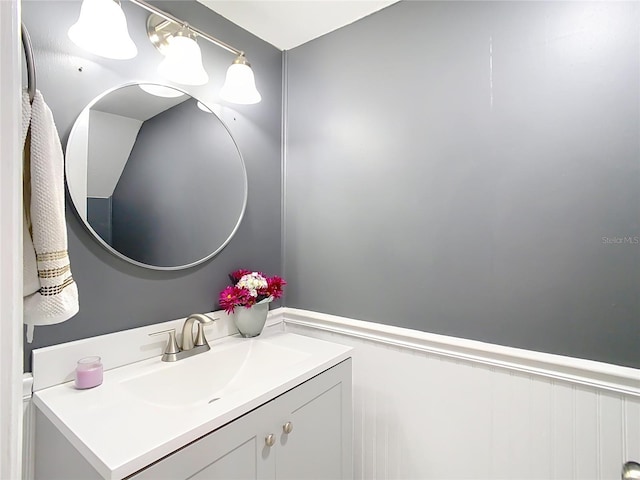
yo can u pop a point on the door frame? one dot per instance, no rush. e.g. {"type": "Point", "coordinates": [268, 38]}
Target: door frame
{"type": "Point", "coordinates": [11, 328]}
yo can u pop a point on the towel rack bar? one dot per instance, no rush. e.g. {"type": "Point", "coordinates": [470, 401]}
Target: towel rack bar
{"type": "Point", "coordinates": [31, 66]}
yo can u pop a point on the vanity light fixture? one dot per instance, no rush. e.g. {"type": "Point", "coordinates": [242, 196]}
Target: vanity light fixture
{"type": "Point", "coordinates": [163, 29]}
{"type": "Point", "coordinates": [102, 30]}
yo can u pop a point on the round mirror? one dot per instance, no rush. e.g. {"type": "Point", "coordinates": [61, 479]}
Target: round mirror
{"type": "Point", "coordinates": [155, 176]}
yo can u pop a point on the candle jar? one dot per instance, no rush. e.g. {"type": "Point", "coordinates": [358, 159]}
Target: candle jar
{"type": "Point", "coordinates": [88, 372]}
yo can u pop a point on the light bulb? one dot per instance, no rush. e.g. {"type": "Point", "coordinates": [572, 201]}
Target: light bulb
{"type": "Point", "coordinates": [102, 30]}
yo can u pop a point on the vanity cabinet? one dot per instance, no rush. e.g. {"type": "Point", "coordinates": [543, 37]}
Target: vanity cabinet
{"type": "Point", "coordinates": [317, 417]}
{"type": "Point", "coordinates": [276, 407]}
{"type": "Point", "coordinates": [255, 446]}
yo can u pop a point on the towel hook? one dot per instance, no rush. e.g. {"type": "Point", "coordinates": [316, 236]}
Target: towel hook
{"type": "Point", "coordinates": [31, 66]}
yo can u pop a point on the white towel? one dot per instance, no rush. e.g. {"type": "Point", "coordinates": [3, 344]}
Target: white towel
{"type": "Point", "coordinates": [56, 297]}
{"type": "Point", "coordinates": [30, 284]}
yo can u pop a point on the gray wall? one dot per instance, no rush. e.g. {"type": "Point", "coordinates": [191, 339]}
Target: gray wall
{"type": "Point", "coordinates": [115, 295]}
{"type": "Point", "coordinates": [99, 217]}
{"type": "Point", "coordinates": [466, 168]}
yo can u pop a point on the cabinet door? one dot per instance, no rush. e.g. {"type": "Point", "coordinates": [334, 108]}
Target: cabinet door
{"type": "Point", "coordinates": [319, 415]}
{"type": "Point", "coordinates": [236, 451]}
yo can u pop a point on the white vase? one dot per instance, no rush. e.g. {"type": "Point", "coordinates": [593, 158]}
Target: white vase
{"type": "Point", "coordinates": [250, 321]}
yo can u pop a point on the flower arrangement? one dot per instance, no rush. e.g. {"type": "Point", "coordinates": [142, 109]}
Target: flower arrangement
{"type": "Point", "coordinates": [250, 288]}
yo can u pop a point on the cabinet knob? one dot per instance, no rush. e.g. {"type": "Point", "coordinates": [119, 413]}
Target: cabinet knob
{"type": "Point", "coordinates": [270, 440]}
{"type": "Point", "coordinates": [287, 427]}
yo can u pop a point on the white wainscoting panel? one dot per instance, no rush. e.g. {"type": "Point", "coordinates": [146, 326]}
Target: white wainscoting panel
{"type": "Point", "coordinates": [420, 414]}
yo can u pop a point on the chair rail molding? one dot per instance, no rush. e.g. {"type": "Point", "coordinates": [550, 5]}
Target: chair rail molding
{"type": "Point", "coordinates": [575, 370]}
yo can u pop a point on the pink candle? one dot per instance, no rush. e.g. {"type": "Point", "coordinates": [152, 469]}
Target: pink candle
{"type": "Point", "coordinates": [88, 372]}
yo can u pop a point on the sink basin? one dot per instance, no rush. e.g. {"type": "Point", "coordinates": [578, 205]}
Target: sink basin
{"type": "Point", "coordinates": [210, 376]}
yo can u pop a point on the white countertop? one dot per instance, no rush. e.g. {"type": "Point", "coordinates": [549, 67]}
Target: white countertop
{"type": "Point", "coordinates": [119, 432]}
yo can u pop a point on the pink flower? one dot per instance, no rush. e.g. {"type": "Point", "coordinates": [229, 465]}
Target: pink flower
{"type": "Point", "coordinates": [238, 274]}
{"type": "Point", "coordinates": [275, 286]}
{"type": "Point", "coordinates": [228, 299]}
{"type": "Point", "coordinates": [232, 297]}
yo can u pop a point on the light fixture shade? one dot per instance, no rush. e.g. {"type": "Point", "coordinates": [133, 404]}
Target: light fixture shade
{"type": "Point", "coordinates": [216, 108]}
{"type": "Point", "coordinates": [102, 30]}
{"type": "Point", "coordinates": [203, 107]}
{"type": "Point", "coordinates": [240, 84]}
{"type": "Point", "coordinates": [183, 62]}
{"type": "Point", "coordinates": [160, 90]}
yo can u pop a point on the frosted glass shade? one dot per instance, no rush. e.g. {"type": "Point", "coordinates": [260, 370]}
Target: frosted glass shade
{"type": "Point", "coordinates": [102, 30]}
{"type": "Point", "coordinates": [240, 85]}
{"type": "Point", "coordinates": [203, 107]}
{"type": "Point", "coordinates": [160, 90]}
{"type": "Point", "coordinates": [183, 62]}
{"type": "Point", "coordinates": [215, 108]}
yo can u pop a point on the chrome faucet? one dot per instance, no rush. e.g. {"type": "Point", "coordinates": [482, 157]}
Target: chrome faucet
{"type": "Point", "coordinates": [188, 340]}
{"type": "Point", "coordinates": [191, 344]}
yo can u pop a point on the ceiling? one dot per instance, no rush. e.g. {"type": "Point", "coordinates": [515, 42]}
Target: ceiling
{"type": "Point", "coordinates": [286, 24]}
{"type": "Point", "coordinates": [132, 102]}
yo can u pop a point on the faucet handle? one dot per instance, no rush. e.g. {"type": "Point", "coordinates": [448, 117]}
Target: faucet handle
{"type": "Point", "coordinates": [200, 338]}
{"type": "Point", "coordinates": [172, 345]}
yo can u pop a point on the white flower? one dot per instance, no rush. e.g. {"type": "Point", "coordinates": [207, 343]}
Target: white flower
{"type": "Point", "coordinates": [252, 282]}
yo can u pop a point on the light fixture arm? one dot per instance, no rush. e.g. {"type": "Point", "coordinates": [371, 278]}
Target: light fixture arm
{"type": "Point", "coordinates": [197, 31]}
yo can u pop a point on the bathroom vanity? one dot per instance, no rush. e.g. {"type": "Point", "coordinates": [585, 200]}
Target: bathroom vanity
{"type": "Point", "coordinates": [257, 445]}
{"type": "Point", "coordinates": [274, 407]}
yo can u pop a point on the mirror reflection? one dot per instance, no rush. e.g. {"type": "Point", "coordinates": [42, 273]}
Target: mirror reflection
{"type": "Point", "coordinates": [158, 180]}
